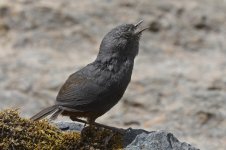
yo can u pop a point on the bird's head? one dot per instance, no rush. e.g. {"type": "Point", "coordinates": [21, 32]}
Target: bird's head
{"type": "Point", "coordinates": [122, 41]}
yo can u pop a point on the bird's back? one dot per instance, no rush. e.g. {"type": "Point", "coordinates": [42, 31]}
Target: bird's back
{"type": "Point", "coordinates": [96, 87]}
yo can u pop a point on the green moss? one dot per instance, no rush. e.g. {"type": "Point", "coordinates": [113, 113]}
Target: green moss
{"type": "Point", "coordinates": [20, 133]}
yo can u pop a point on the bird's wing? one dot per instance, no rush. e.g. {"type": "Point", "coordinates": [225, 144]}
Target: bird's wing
{"type": "Point", "coordinates": [78, 90]}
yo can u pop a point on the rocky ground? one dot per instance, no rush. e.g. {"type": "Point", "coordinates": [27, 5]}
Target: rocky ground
{"type": "Point", "coordinates": [179, 79]}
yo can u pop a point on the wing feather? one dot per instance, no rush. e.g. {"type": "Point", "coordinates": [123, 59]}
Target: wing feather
{"type": "Point", "coordinates": [78, 90]}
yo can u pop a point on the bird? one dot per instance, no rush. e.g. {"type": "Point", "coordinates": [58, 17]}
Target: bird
{"type": "Point", "coordinates": [95, 89]}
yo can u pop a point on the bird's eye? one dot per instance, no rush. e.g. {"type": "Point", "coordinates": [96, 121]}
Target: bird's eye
{"type": "Point", "coordinates": [130, 29]}
{"type": "Point", "coordinates": [127, 35]}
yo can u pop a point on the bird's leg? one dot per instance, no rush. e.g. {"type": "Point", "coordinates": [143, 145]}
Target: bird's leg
{"type": "Point", "coordinates": [92, 122]}
{"type": "Point", "coordinates": [119, 130]}
{"type": "Point", "coordinates": [79, 120]}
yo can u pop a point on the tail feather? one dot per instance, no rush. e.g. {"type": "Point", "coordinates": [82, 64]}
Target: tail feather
{"type": "Point", "coordinates": [56, 114]}
{"type": "Point", "coordinates": [45, 112]}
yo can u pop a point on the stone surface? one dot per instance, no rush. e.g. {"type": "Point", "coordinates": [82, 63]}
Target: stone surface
{"type": "Point", "coordinates": [179, 78]}
{"type": "Point", "coordinates": [138, 139]}
{"type": "Point", "coordinates": [157, 140]}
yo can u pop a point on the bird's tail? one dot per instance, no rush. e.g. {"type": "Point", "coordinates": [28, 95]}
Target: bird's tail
{"type": "Point", "coordinates": [45, 112]}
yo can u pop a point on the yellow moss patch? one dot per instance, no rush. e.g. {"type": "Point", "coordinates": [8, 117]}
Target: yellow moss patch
{"type": "Point", "coordinates": [20, 133]}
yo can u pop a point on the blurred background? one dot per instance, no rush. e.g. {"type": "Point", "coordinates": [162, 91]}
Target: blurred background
{"type": "Point", "coordinates": [179, 78]}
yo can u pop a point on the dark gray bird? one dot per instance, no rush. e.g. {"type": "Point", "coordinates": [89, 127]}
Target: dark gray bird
{"type": "Point", "coordinates": [96, 88]}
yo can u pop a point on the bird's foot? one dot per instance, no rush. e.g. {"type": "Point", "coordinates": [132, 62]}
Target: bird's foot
{"type": "Point", "coordinates": [114, 129]}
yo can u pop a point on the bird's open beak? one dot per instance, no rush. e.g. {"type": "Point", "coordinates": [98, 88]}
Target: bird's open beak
{"type": "Point", "coordinates": [139, 23]}
{"type": "Point", "coordinates": [141, 30]}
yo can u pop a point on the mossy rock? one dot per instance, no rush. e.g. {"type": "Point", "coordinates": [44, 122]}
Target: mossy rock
{"type": "Point", "coordinates": [20, 133]}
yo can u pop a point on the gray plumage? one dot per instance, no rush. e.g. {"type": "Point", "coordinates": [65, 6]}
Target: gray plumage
{"type": "Point", "coordinates": [96, 88]}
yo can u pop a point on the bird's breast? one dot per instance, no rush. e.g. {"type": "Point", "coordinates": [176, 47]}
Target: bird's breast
{"type": "Point", "coordinates": [116, 75]}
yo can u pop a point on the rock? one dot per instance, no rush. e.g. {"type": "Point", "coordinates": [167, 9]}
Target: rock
{"type": "Point", "coordinates": [69, 126]}
{"type": "Point", "coordinates": [137, 139]}
{"type": "Point", "coordinates": [156, 140]}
